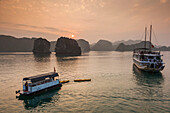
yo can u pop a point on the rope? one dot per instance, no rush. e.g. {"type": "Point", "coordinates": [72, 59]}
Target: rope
{"type": "Point", "coordinates": [156, 38]}
{"type": "Point", "coordinates": [142, 36]}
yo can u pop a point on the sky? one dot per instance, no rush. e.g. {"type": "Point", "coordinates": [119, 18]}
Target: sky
{"type": "Point", "coordinates": [91, 20]}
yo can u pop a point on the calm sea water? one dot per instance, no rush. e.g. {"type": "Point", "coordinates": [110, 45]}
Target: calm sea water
{"type": "Point", "coordinates": [116, 85]}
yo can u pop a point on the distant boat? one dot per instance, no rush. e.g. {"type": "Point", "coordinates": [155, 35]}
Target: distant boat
{"type": "Point", "coordinates": [39, 83]}
{"type": "Point", "coordinates": [146, 59]}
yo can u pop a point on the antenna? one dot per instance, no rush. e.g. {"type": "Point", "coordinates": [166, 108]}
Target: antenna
{"type": "Point", "coordinates": [150, 35]}
{"type": "Point", "coordinates": [145, 36]}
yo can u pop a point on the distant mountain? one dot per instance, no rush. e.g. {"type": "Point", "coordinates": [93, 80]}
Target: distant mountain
{"type": "Point", "coordinates": [123, 47]}
{"type": "Point", "coordinates": [67, 47]}
{"type": "Point", "coordinates": [164, 48]}
{"type": "Point", "coordinates": [12, 44]}
{"type": "Point", "coordinates": [91, 45]}
{"type": "Point", "coordinates": [114, 47]}
{"type": "Point", "coordinates": [128, 42]}
{"type": "Point", "coordinates": [52, 47]}
{"type": "Point", "coordinates": [102, 45]}
{"type": "Point", "coordinates": [41, 46]}
{"type": "Point", "coordinates": [84, 45]}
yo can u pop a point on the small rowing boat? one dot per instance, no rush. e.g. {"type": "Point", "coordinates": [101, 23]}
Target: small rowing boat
{"type": "Point", "coordinates": [81, 80]}
{"type": "Point", "coordinates": [64, 81]}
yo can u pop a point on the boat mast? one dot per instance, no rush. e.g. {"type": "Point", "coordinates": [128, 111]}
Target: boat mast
{"type": "Point", "coordinates": [145, 37]}
{"type": "Point", "coordinates": [150, 36]}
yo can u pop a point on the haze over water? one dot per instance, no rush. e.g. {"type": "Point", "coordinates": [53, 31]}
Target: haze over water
{"type": "Point", "coordinates": [116, 85]}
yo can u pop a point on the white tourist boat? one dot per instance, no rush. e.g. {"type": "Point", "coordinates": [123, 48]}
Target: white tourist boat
{"type": "Point", "coordinates": [146, 59]}
{"type": "Point", "coordinates": [40, 83]}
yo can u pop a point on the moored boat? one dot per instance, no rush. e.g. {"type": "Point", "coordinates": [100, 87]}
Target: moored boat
{"type": "Point", "coordinates": [40, 83]}
{"type": "Point", "coordinates": [81, 80]}
{"type": "Point", "coordinates": [64, 81]}
{"type": "Point", "coordinates": [146, 59]}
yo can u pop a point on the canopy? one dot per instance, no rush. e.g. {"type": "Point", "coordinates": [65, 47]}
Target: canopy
{"type": "Point", "coordinates": [41, 77]}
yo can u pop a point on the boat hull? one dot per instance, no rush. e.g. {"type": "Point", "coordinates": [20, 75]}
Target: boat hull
{"type": "Point", "coordinates": [144, 68]}
{"type": "Point", "coordinates": [58, 86]}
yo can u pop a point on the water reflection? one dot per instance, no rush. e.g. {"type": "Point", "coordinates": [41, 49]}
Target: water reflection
{"type": "Point", "coordinates": [60, 59]}
{"type": "Point", "coordinates": [150, 84]}
{"type": "Point", "coordinates": [32, 102]}
{"type": "Point", "coordinates": [146, 78]}
{"type": "Point", "coordinates": [67, 66]}
{"type": "Point", "coordinates": [42, 57]}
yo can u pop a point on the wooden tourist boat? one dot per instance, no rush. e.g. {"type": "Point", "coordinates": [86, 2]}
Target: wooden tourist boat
{"type": "Point", "coordinates": [39, 83]}
{"type": "Point", "coordinates": [146, 59]}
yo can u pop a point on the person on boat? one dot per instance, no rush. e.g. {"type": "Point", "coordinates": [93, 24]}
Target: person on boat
{"type": "Point", "coordinates": [26, 85]}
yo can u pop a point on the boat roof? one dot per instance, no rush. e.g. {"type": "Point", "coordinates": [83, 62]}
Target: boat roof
{"type": "Point", "coordinates": [41, 77]}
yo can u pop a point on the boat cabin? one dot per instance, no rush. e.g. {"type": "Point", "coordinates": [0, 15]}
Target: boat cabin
{"type": "Point", "coordinates": [39, 82]}
{"type": "Point", "coordinates": [144, 54]}
{"type": "Point", "coordinates": [147, 59]}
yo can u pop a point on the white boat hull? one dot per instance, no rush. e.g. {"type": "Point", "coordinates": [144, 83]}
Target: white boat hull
{"type": "Point", "coordinates": [41, 88]}
{"type": "Point", "coordinates": [145, 68]}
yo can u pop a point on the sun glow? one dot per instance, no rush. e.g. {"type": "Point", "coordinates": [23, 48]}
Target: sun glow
{"type": "Point", "coordinates": [72, 36]}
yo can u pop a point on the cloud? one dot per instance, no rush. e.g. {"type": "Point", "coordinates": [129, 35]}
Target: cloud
{"type": "Point", "coordinates": [52, 29]}
{"type": "Point", "coordinates": [28, 33]}
{"type": "Point", "coordinates": [37, 28]}
{"type": "Point", "coordinates": [163, 1]}
{"type": "Point", "coordinates": [136, 5]}
{"type": "Point", "coordinates": [55, 29]}
{"type": "Point", "coordinates": [4, 23]}
{"type": "Point", "coordinates": [24, 25]}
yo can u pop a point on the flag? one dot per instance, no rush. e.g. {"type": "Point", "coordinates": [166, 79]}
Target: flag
{"type": "Point", "coordinates": [152, 46]}
{"type": "Point", "coordinates": [54, 70]}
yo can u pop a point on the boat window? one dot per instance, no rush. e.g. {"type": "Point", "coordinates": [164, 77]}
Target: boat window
{"type": "Point", "coordinates": [142, 57]}
{"type": "Point", "coordinates": [33, 85]}
{"type": "Point", "coordinates": [150, 57]}
{"type": "Point", "coordinates": [47, 80]}
{"type": "Point", "coordinates": [152, 66]}
{"type": "Point", "coordinates": [41, 82]}
{"type": "Point", "coordinates": [158, 58]}
{"type": "Point", "coordinates": [145, 58]}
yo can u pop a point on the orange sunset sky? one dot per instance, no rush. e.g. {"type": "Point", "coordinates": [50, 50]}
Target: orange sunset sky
{"type": "Point", "coordinates": [88, 19]}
